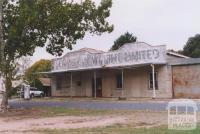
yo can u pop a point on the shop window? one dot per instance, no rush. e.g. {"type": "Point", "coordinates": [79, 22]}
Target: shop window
{"type": "Point", "coordinates": [62, 83]}
{"type": "Point", "coordinates": [78, 83]}
{"type": "Point", "coordinates": [119, 81]}
{"type": "Point", "coordinates": [151, 80]}
{"type": "Point", "coordinates": [59, 83]}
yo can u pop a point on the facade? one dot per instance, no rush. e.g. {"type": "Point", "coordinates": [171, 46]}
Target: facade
{"type": "Point", "coordinates": [135, 70]}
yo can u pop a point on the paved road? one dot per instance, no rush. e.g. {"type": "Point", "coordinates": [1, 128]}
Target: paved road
{"type": "Point", "coordinates": [88, 104]}
{"type": "Point", "coordinates": [161, 106]}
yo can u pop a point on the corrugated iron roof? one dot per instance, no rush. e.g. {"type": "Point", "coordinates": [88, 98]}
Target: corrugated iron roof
{"type": "Point", "coordinates": [90, 50]}
{"type": "Point", "coordinates": [177, 54]}
{"type": "Point", "coordinates": [45, 81]}
{"type": "Point", "coordinates": [184, 61]}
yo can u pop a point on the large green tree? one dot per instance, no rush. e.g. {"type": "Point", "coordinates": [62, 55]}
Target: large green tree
{"type": "Point", "coordinates": [54, 24]}
{"type": "Point", "coordinates": [32, 74]}
{"type": "Point", "coordinates": [125, 38]}
{"type": "Point", "coordinates": [192, 47]}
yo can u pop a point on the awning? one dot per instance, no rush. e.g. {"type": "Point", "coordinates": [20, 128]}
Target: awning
{"type": "Point", "coordinates": [103, 67]}
{"type": "Point", "coordinates": [45, 81]}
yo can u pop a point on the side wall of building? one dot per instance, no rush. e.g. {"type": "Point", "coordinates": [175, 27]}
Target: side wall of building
{"type": "Point", "coordinates": [186, 81]}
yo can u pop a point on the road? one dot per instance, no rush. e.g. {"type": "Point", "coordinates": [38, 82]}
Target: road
{"type": "Point", "coordinates": [87, 104]}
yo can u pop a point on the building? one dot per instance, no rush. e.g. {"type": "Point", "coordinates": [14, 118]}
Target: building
{"type": "Point", "coordinates": [135, 70]}
{"type": "Point", "coordinates": [46, 83]}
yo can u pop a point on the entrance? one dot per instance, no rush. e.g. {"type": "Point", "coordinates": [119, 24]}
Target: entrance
{"type": "Point", "coordinates": [98, 87]}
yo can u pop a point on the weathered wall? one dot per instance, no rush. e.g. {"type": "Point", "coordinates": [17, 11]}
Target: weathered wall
{"type": "Point", "coordinates": [186, 81]}
{"type": "Point", "coordinates": [136, 83]}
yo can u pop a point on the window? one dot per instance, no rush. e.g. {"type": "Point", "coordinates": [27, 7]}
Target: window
{"type": "Point", "coordinates": [151, 81]}
{"type": "Point", "coordinates": [78, 83]}
{"type": "Point", "coordinates": [119, 81]}
{"type": "Point", "coordinates": [59, 83]}
{"type": "Point", "coordinates": [62, 82]}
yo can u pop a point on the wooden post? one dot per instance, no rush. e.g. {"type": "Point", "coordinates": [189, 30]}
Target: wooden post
{"type": "Point", "coordinates": [153, 77]}
{"type": "Point", "coordinates": [122, 73]}
{"type": "Point", "coordinates": [71, 80]}
{"type": "Point", "coordinates": [95, 85]}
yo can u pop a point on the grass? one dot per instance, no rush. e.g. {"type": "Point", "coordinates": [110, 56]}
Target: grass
{"type": "Point", "coordinates": [119, 129]}
{"type": "Point", "coordinates": [60, 111]}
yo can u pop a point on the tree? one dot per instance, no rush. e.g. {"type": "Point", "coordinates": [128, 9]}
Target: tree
{"type": "Point", "coordinates": [192, 47]}
{"type": "Point", "coordinates": [32, 73]}
{"type": "Point", "coordinates": [55, 24]}
{"type": "Point", "coordinates": [2, 46]}
{"type": "Point", "coordinates": [125, 38]}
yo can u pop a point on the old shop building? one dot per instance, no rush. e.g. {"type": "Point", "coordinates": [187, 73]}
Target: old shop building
{"type": "Point", "coordinates": [135, 70]}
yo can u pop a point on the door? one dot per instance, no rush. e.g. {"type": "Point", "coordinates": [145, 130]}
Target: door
{"type": "Point", "coordinates": [98, 87]}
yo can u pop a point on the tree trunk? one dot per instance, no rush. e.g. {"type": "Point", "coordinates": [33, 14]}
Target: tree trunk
{"type": "Point", "coordinates": [3, 93]}
{"type": "Point", "coordinates": [2, 45]}
{"type": "Point", "coordinates": [4, 98]}
{"type": "Point", "coordinates": [4, 101]}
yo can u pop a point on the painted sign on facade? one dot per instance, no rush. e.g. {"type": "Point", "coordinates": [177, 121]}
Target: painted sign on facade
{"type": "Point", "coordinates": [129, 54]}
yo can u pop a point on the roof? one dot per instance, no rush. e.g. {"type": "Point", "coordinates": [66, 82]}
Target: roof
{"type": "Point", "coordinates": [90, 50]}
{"type": "Point", "coordinates": [185, 61]}
{"type": "Point", "coordinates": [16, 83]}
{"type": "Point", "coordinates": [45, 81]}
{"type": "Point", "coordinates": [177, 54]}
{"type": "Point", "coordinates": [104, 67]}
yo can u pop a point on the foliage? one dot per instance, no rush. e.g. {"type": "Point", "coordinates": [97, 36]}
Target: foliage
{"type": "Point", "coordinates": [192, 47]}
{"type": "Point", "coordinates": [28, 24]}
{"type": "Point", "coordinates": [32, 76]}
{"type": "Point", "coordinates": [54, 24]}
{"type": "Point", "coordinates": [125, 38]}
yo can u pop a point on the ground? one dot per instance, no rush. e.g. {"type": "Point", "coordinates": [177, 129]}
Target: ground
{"type": "Point", "coordinates": [59, 120]}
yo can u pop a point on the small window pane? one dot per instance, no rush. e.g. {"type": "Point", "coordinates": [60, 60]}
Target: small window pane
{"type": "Point", "coordinates": [151, 80]}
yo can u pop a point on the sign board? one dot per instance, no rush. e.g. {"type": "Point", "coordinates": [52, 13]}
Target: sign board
{"type": "Point", "coordinates": [128, 55]}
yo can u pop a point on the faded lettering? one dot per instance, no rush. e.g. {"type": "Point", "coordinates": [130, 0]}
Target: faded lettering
{"type": "Point", "coordinates": [115, 58]}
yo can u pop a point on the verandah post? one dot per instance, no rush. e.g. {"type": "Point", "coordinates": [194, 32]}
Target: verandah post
{"type": "Point", "coordinates": [153, 78]}
{"type": "Point", "coordinates": [95, 85]}
{"type": "Point", "coordinates": [122, 73]}
{"type": "Point", "coordinates": [71, 85]}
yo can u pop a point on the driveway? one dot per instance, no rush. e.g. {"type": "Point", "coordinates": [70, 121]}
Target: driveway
{"type": "Point", "coordinates": [88, 104]}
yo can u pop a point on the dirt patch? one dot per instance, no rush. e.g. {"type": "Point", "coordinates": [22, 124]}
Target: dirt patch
{"type": "Point", "coordinates": [15, 114]}
{"type": "Point", "coordinates": [64, 122]}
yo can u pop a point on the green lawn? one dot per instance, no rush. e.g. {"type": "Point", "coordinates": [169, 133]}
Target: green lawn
{"type": "Point", "coordinates": [60, 111]}
{"type": "Point", "coordinates": [119, 129]}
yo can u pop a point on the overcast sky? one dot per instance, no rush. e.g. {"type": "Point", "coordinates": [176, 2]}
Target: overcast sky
{"type": "Point", "coordinates": [156, 22]}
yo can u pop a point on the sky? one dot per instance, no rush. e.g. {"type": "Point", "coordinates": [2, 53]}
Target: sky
{"type": "Point", "coordinates": [156, 22]}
